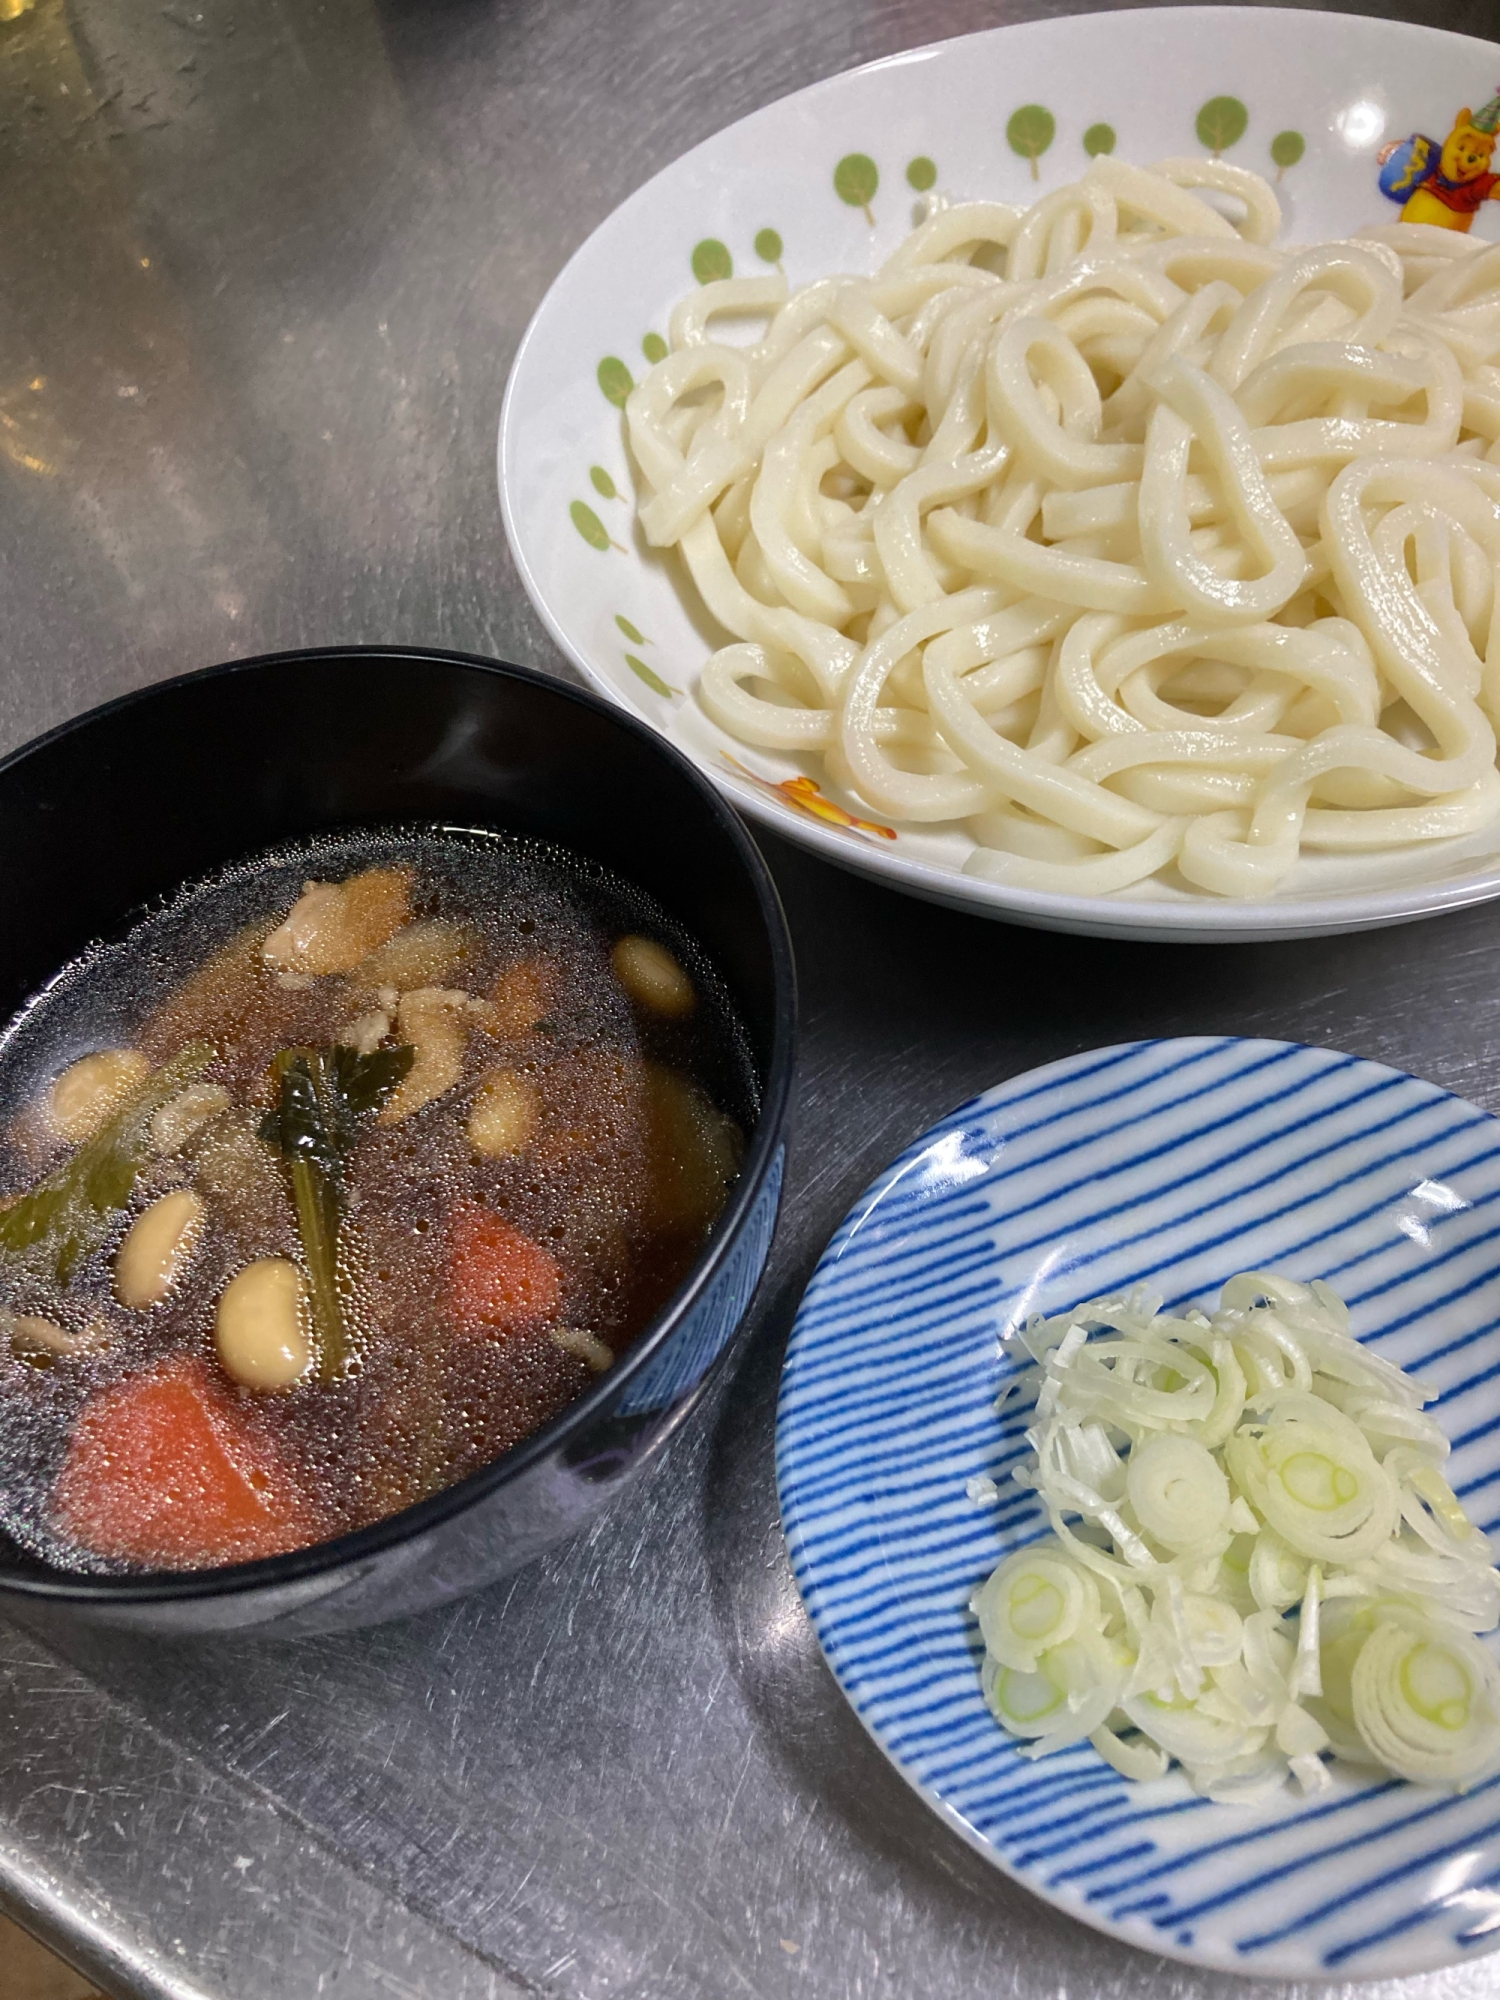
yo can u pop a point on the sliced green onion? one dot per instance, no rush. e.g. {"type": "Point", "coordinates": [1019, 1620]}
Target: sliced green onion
{"type": "Point", "coordinates": [1033, 1600]}
{"type": "Point", "coordinates": [1073, 1690]}
{"type": "Point", "coordinates": [1178, 1490]}
{"type": "Point", "coordinates": [1278, 1575]}
{"type": "Point", "coordinates": [1316, 1481]}
{"type": "Point", "coordinates": [1255, 1561]}
{"type": "Point", "coordinates": [1184, 1731]}
{"type": "Point", "coordinates": [1139, 1759]}
{"type": "Point", "coordinates": [1427, 1702]}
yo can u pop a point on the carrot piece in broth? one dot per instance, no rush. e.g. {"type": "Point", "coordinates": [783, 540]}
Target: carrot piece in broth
{"type": "Point", "coordinates": [163, 1470]}
{"type": "Point", "coordinates": [522, 995]}
{"type": "Point", "coordinates": [499, 1280]}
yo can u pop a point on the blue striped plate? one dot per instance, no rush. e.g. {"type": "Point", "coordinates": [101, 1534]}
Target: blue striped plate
{"type": "Point", "coordinates": [1180, 1163]}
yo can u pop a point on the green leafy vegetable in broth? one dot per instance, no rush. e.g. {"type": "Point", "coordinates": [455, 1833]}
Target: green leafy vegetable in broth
{"type": "Point", "coordinates": [58, 1222]}
{"type": "Point", "coordinates": [324, 1095]}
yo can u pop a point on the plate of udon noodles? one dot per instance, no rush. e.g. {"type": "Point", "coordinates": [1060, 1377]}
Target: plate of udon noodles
{"type": "Point", "coordinates": [1057, 472]}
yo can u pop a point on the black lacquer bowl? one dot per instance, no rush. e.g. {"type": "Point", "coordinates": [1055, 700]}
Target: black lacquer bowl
{"type": "Point", "coordinates": [122, 806]}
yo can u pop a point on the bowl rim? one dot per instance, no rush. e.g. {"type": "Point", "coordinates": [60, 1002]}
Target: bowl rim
{"type": "Point", "coordinates": [297, 1565]}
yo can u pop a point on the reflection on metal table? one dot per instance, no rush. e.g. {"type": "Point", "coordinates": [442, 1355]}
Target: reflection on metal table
{"type": "Point", "coordinates": [261, 275]}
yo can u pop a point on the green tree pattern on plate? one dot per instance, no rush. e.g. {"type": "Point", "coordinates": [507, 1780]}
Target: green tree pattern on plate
{"type": "Point", "coordinates": [602, 484]}
{"type": "Point", "coordinates": [921, 173]}
{"type": "Point", "coordinates": [1287, 149]}
{"type": "Point", "coordinates": [769, 246]}
{"type": "Point", "coordinates": [1030, 132]}
{"type": "Point", "coordinates": [654, 348]}
{"type": "Point", "coordinates": [1221, 124]}
{"type": "Point", "coordinates": [632, 633]}
{"type": "Point", "coordinates": [711, 261]}
{"type": "Point", "coordinates": [615, 380]}
{"type": "Point", "coordinates": [653, 681]}
{"type": "Point", "coordinates": [855, 180]}
{"type": "Point", "coordinates": [592, 529]}
{"type": "Point", "coordinates": [1099, 139]}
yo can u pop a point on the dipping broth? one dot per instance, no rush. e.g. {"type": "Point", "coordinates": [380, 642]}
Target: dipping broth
{"type": "Point", "coordinates": [339, 1175]}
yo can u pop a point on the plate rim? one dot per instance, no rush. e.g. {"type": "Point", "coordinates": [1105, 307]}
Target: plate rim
{"type": "Point", "coordinates": [1218, 920]}
{"type": "Point", "coordinates": [823, 1617]}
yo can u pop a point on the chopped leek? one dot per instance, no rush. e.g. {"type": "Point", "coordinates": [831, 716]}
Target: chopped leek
{"type": "Point", "coordinates": [1427, 1701]}
{"type": "Point", "coordinates": [1255, 1561]}
{"type": "Point", "coordinates": [1177, 1488]}
{"type": "Point", "coordinates": [1034, 1601]}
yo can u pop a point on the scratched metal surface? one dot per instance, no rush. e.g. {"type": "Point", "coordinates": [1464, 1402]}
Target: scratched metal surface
{"type": "Point", "coordinates": [262, 268]}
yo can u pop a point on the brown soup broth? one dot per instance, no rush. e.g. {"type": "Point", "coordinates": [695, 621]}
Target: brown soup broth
{"type": "Point", "coordinates": [592, 1169]}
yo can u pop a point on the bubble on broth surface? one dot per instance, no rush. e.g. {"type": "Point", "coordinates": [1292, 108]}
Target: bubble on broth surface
{"type": "Point", "coordinates": [417, 1407]}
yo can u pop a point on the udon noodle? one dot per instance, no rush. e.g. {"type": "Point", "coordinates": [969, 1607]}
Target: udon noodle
{"type": "Point", "coordinates": [1106, 530]}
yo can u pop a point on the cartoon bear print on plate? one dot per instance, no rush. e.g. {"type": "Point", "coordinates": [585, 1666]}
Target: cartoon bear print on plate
{"type": "Point", "coordinates": [1444, 184]}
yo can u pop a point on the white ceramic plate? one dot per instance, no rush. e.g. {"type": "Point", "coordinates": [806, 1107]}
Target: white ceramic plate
{"type": "Point", "coordinates": [1176, 1163]}
{"type": "Point", "coordinates": [1331, 89]}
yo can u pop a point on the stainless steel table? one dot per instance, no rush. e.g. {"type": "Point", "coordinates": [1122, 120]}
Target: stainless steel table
{"type": "Point", "coordinates": [262, 269]}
